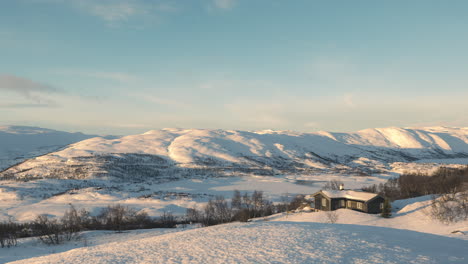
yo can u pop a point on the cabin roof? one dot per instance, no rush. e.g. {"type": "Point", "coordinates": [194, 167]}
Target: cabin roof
{"type": "Point", "coordinates": [350, 194]}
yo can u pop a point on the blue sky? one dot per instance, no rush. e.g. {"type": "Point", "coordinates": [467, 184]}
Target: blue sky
{"type": "Point", "coordinates": [127, 66]}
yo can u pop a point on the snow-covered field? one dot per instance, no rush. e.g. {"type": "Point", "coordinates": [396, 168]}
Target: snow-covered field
{"type": "Point", "coordinates": [32, 247]}
{"type": "Point", "coordinates": [23, 201]}
{"type": "Point", "coordinates": [410, 236]}
{"type": "Point", "coordinates": [273, 242]}
{"type": "Point", "coordinates": [174, 169]}
{"type": "Point", "coordinates": [410, 214]}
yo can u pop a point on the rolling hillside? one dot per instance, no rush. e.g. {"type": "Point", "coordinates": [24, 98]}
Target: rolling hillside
{"type": "Point", "coordinates": [179, 153]}
{"type": "Point", "coordinates": [18, 143]}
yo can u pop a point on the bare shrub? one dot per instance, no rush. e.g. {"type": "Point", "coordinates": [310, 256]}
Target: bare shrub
{"type": "Point", "coordinates": [443, 180]}
{"type": "Point", "coordinates": [168, 220]}
{"type": "Point", "coordinates": [48, 230]}
{"type": "Point", "coordinates": [298, 202]}
{"type": "Point", "coordinates": [193, 215]}
{"type": "Point", "coordinates": [333, 185]}
{"type": "Point", "coordinates": [242, 208]}
{"type": "Point", "coordinates": [332, 216]}
{"type": "Point", "coordinates": [72, 222]}
{"type": "Point", "coordinates": [9, 232]}
{"type": "Point", "coordinates": [451, 207]}
{"type": "Point", "coordinates": [117, 217]}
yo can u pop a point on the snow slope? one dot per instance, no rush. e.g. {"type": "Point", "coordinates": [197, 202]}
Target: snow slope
{"type": "Point", "coordinates": [409, 214]}
{"type": "Point", "coordinates": [273, 242]}
{"type": "Point", "coordinates": [32, 247]}
{"type": "Point", "coordinates": [265, 152]}
{"type": "Point", "coordinates": [18, 143]}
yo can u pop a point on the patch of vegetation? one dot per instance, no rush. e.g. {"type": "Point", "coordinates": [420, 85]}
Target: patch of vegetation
{"type": "Point", "coordinates": [242, 208]}
{"type": "Point", "coordinates": [409, 185]}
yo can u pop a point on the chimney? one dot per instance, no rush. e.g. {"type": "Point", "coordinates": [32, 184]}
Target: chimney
{"type": "Point", "coordinates": [341, 187]}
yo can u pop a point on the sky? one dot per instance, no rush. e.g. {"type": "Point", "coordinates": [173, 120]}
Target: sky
{"type": "Point", "coordinates": [128, 66]}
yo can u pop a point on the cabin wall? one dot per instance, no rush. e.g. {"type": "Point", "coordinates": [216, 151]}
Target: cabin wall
{"type": "Point", "coordinates": [318, 202]}
{"type": "Point", "coordinates": [335, 203]}
{"type": "Point", "coordinates": [353, 205]}
{"type": "Point", "coordinates": [373, 207]}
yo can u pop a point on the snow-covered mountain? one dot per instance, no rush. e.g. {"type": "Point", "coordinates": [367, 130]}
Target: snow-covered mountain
{"type": "Point", "coordinates": [175, 153]}
{"type": "Point", "coordinates": [18, 143]}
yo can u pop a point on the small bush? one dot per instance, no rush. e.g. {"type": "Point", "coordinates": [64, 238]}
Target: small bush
{"type": "Point", "coordinates": [48, 230]}
{"type": "Point", "coordinates": [451, 207]}
{"type": "Point", "coordinates": [332, 216]}
{"type": "Point", "coordinates": [387, 209]}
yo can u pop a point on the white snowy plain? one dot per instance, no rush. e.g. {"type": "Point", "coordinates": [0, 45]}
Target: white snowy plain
{"type": "Point", "coordinates": [410, 236]}
{"type": "Point", "coordinates": [273, 242]}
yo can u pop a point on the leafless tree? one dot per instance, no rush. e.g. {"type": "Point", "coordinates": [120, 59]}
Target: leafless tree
{"type": "Point", "coordinates": [9, 234]}
{"type": "Point", "coordinates": [71, 223]}
{"type": "Point", "coordinates": [236, 201]}
{"type": "Point", "coordinates": [332, 216]}
{"type": "Point", "coordinates": [333, 185]}
{"type": "Point", "coordinates": [48, 230]}
{"type": "Point", "coordinates": [450, 207]}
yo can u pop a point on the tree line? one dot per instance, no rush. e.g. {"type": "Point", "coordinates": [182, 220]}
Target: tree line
{"type": "Point", "coordinates": [53, 231]}
{"type": "Point", "coordinates": [241, 208]}
{"type": "Point", "coordinates": [444, 180]}
{"type": "Point", "coordinates": [448, 187]}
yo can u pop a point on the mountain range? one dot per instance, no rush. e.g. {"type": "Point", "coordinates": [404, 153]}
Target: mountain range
{"type": "Point", "coordinates": [180, 153]}
{"type": "Point", "coordinates": [18, 143]}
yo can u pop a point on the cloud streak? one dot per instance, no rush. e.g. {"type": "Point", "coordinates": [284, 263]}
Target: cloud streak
{"type": "Point", "coordinates": [34, 92]}
{"type": "Point", "coordinates": [224, 4]}
{"type": "Point", "coordinates": [112, 11]}
{"type": "Point", "coordinates": [116, 11]}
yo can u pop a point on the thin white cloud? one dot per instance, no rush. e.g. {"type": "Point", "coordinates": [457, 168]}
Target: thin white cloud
{"type": "Point", "coordinates": [28, 105]}
{"type": "Point", "coordinates": [116, 11]}
{"type": "Point", "coordinates": [35, 93]}
{"type": "Point", "coordinates": [331, 113]}
{"type": "Point", "coordinates": [311, 125]}
{"type": "Point", "coordinates": [164, 101]}
{"type": "Point", "coordinates": [224, 4]}
{"type": "Point", "coordinates": [120, 77]}
{"type": "Point", "coordinates": [114, 76]}
{"type": "Point", "coordinates": [348, 100]}
{"type": "Point", "coordinates": [112, 11]}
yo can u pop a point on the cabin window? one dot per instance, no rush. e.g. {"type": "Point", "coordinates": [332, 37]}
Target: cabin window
{"type": "Point", "coordinates": [349, 204]}
{"type": "Point", "coordinates": [359, 205]}
{"type": "Point", "coordinates": [324, 202]}
{"type": "Point", "coordinates": [381, 206]}
{"type": "Point", "coordinates": [342, 203]}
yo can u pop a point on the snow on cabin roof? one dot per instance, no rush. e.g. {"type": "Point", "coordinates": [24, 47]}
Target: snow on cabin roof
{"type": "Point", "coordinates": [349, 194]}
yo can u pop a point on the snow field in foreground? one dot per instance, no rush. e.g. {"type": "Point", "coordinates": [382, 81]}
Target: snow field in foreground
{"type": "Point", "coordinates": [274, 242]}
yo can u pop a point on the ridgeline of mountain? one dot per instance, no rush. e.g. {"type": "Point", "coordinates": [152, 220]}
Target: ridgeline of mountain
{"type": "Point", "coordinates": [18, 143]}
{"type": "Point", "coordinates": [180, 153]}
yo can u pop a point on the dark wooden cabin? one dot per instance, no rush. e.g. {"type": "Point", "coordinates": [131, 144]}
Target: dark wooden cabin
{"type": "Point", "coordinates": [331, 200]}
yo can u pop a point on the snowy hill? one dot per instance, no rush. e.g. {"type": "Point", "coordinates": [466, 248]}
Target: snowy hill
{"type": "Point", "coordinates": [273, 242]}
{"type": "Point", "coordinates": [409, 236]}
{"type": "Point", "coordinates": [18, 143]}
{"type": "Point", "coordinates": [174, 169]}
{"type": "Point", "coordinates": [185, 152]}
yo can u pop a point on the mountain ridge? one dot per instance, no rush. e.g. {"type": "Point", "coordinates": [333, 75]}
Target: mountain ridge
{"type": "Point", "coordinates": [18, 143]}
{"type": "Point", "coordinates": [170, 151]}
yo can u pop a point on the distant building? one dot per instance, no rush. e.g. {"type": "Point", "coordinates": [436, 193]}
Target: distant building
{"type": "Point", "coordinates": [330, 200]}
